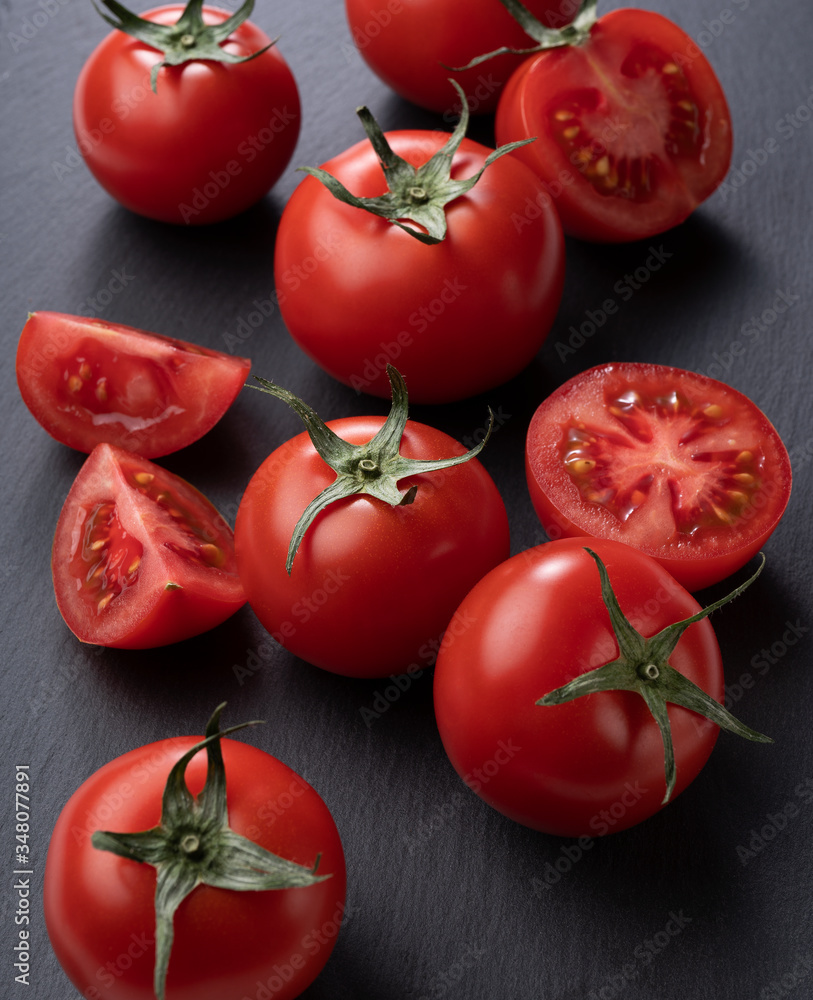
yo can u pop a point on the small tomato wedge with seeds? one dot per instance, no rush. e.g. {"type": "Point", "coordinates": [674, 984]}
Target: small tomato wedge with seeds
{"type": "Point", "coordinates": [140, 557]}
{"type": "Point", "coordinates": [675, 464]}
{"type": "Point", "coordinates": [90, 382]}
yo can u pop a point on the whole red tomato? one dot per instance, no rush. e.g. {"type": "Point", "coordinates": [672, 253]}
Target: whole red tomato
{"type": "Point", "coordinates": [595, 764]}
{"type": "Point", "coordinates": [207, 143]}
{"type": "Point", "coordinates": [412, 45]}
{"type": "Point", "coordinates": [371, 586]}
{"type": "Point", "coordinates": [679, 465]}
{"type": "Point", "coordinates": [100, 907]}
{"type": "Point", "coordinates": [456, 317]}
{"type": "Point", "coordinates": [632, 125]}
{"type": "Point", "coordinates": [89, 382]}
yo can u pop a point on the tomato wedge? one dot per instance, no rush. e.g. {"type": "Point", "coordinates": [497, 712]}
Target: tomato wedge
{"type": "Point", "coordinates": [88, 381]}
{"type": "Point", "coordinates": [140, 557]}
{"type": "Point", "coordinates": [676, 464]}
{"type": "Point", "coordinates": [633, 126]}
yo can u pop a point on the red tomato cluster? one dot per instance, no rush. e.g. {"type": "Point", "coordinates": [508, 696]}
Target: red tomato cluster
{"type": "Point", "coordinates": [359, 542]}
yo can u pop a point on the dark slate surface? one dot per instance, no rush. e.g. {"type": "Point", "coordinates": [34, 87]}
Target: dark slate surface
{"type": "Point", "coordinates": [442, 891]}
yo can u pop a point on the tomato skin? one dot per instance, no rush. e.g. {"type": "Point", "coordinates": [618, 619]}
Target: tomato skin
{"type": "Point", "coordinates": [99, 908]}
{"type": "Point", "coordinates": [141, 391]}
{"type": "Point", "coordinates": [411, 46]}
{"type": "Point", "coordinates": [357, 292]}
{"type": "Point", "coordinates": [372, 587]}
{"type": "Point", "coordinates": [593, 765]}
{"type": "Point", "coordinates": [208, 144]}
{"type": "Point", "coordinates": [544, 81]}
{"type": "Point", "coordinates": [185, 579]}
{"type": "Point", "coordinates": [697, 558]}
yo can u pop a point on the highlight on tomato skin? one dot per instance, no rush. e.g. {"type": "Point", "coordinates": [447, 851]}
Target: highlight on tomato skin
{"type": "Point", "coordinates": [88, 381]}
{"type": "Point", "coordinates": [632, 124]}
{"type": "Point", "coordinates": [140, 557]}
{"type": "Point", "coordinates": [679, 465]}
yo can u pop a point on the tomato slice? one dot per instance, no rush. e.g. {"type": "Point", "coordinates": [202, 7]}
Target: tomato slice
{"type": "Point", "coordinates": [676, 464]}
{"type": "Point", "coordinates": [633, 126]}
{"type": "Point", "coordinates": [140, 557]}
{"type": "Point", "coordinates": [88, 382]}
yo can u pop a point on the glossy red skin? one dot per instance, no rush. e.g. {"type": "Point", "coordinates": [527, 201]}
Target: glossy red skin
{"type": "Point", "coordinates": [99, 907]}
{"type": "Point", "coordinates": [372, 587]}
{"type": "Point", "coordinates": [173, 598]}
{"type": "Point", "coordinates": [410, 45]}
{"type": "Point", "coordinates": [537, 85]}
{"type": "Point", "coordinates": [352, 285]}
{"type": "Point", "coordinates": [593, 765]}
{"type": "Point", "coordinates": [695, 561]}
{"type": "Point", "coordinates": [153, 151]}
{"type": "Point", "coordinates": [162, 394]}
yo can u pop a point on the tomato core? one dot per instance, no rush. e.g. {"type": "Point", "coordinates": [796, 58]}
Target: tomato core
{"type": "Point", "coordinates": [669, 450]}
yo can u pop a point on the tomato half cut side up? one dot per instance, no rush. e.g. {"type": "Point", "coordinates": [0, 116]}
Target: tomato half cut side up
{"type": "Point", "coordinates": [140, 557]}
{"type": "Point", "coordinates": [89, 382]}
{"type": "Point", "coordinates": [676, 464]}
{"type": "Point", "coordinates": [633, 127]}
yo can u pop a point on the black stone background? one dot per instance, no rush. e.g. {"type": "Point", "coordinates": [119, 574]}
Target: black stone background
{"type": "Point", "coordinates": [441, 888]}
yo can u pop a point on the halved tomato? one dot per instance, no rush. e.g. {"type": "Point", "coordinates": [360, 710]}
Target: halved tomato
{"type": "Point", "coordinates": [88, 381]}
{"type": "Point", "coordinates": [676, 464]}
{"type": "Point", "coordinates": [140, 557]}
{"type": "Point", "coordinates": [633, 128]}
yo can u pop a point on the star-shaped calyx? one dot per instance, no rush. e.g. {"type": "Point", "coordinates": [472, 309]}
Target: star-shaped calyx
{"type": "Point", "coordinates": [574, 33]}
{"type": "Point", "coordinates": [193, 845]}
{"type": "Point", "coordinates": [415, 194]}
{"type": "Point", "coordinates": [189, 38]}
{"type": "Point", "coordinates": [644, 667]}
{"type": "Point", "coordinates": [373, 468]}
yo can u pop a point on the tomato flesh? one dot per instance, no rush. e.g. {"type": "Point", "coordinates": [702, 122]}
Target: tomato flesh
{"type": "Point", "coordinates": [676, 464]}
{"type": "Point", "coordinates": [141, 558]}
{"type": "Point", "coordinates": [87, 382]}
{"type": "Point", "coordinates": [632, 135]}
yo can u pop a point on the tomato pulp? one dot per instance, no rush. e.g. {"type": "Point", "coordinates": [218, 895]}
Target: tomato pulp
{"type": "Point", "coordinates": [679, 465]}
{"type": "Point", "coordinates": [89, 382]}
{"type": "Point", "coordinates": [140, 557]}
